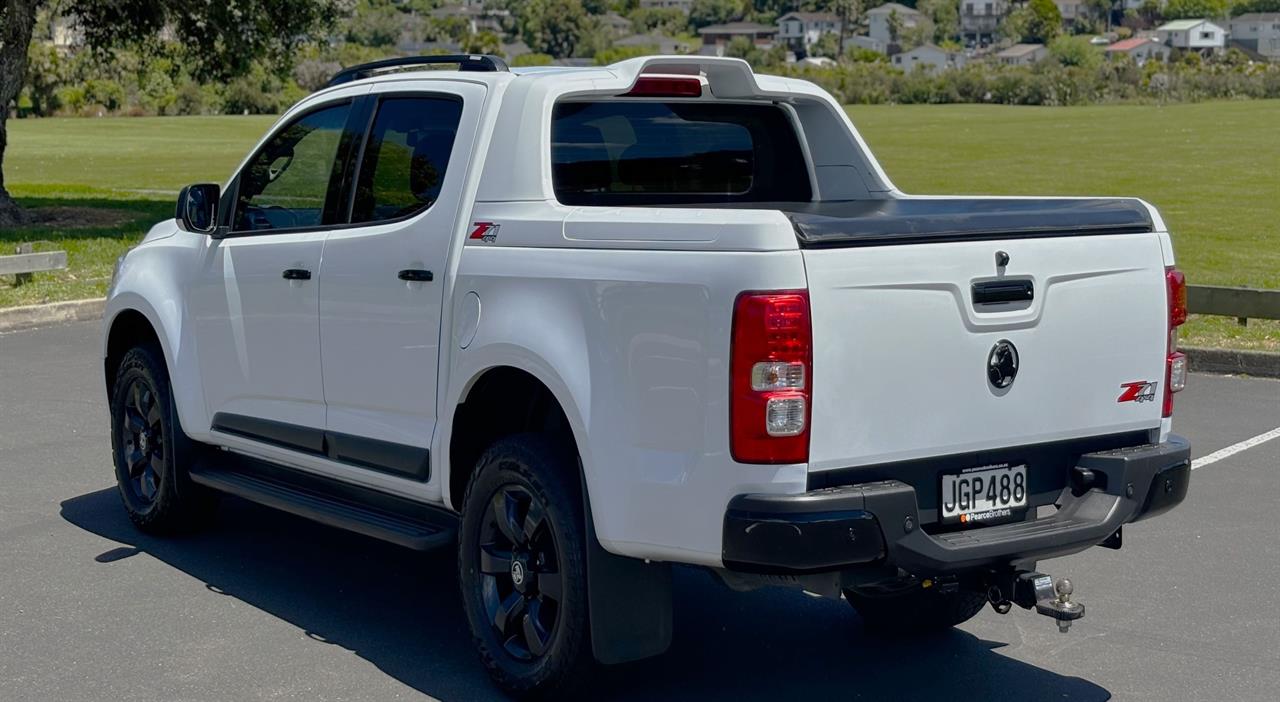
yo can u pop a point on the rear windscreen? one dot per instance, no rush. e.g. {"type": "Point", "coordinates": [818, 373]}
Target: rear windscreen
{"type": "Point", "coordinates": [656, 153]}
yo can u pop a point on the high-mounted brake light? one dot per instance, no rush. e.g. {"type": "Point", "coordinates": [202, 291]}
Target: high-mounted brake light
{"type": "Point", "coordinates": [665, 86]}
{"type": "Point", "coordinates": [771, 377]}
{"type": "Point", "coordinates": [1175, 373]}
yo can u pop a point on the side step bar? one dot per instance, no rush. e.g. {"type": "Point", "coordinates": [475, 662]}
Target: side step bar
{"type": "Point", "coordinates": [411, 524]}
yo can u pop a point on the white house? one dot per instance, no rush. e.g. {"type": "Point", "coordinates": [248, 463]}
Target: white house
{"type": "Point", "coordinates": [1193, 35]}
{"type": "Point", "coordinates": [1071, 10]}
{"type": "Point", "coordinates": [1258, 31]}
{"type": "Point", "coordinates": [930, 57]}
{"type": "Point", "coordinates": [800, 30]}
{"type": "Point", "coordinates": [863, 41]}
{"type": "Point", "coordinates": [878, 20]}
{"type": "Point", "coordinates": [980, 20]}
{"type": "Point", "coordinates": [1022, 54]}
{"type": "Point", "coordinates": [1140, 49]}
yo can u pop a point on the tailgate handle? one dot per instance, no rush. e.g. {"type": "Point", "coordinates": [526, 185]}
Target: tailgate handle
{"type": "Point", "coordinates": [990, 291]}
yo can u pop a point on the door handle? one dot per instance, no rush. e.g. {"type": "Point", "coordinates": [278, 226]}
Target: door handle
{"type": "Point", "coordinates": [416, 275]}
{"type": "Point", "coordinates": [296, 274]}
{"type": "Point", "coordinates": [992, 291]}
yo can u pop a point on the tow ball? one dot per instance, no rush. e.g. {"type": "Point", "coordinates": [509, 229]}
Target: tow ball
{"type": "Point", "coordinates": [1039, 591]}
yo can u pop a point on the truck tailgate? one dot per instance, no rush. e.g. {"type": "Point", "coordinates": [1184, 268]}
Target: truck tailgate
{"type": "Point", "coordinates": [902, 347]}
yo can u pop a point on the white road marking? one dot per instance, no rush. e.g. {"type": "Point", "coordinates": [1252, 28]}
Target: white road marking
{"type": "Point", "coordinates": [1235, 448]}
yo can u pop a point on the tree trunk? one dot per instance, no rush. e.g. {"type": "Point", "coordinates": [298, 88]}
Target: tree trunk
{"type": "Point", "coordinates": [17, 19]}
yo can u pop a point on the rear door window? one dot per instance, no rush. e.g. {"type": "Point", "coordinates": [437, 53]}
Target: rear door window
{"type": "Point", "coordinates": [405, 157]}
{"type": "Point", "coordinates": [621, 152]}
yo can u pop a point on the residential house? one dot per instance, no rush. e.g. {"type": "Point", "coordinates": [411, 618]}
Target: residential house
{"type": "Point", "coordinates": [863, 41]}
{"type": "Point", "coordinates": [1022, 54]}
{"type": "Point", "coordinates": [617, 25]}
{"type": "Point", "coordinates": [662, 43]}
{"type": "Point", "coordinates": [878, 21]}
{"type": "Point", "coordinates": [716, 37]}
{"type": "Point", "coordinates": [800, 30]}
{"type": "Point", "coordinates": [1140, 49]}
{"type": "Point", "coordinates": [928, 57]}
{"type": "Point", "coordinates": [682, 5]}
{"type": "Point", "coordinates": [478, 17]}
{"type": "Point", "coordinates": [1259, 32]}
{"type": "Point", "coordinates": [1072, 10]}
{"type": "Point", "coordinates": [980, 20]}
{"type": "Point", "coordinates": [1193, 35]}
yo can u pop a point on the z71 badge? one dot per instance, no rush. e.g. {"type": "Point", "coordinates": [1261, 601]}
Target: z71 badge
{"type": "Point", "coordinates": [1139, 391]}
{"type": "Point", "coordinates": [485, 231]}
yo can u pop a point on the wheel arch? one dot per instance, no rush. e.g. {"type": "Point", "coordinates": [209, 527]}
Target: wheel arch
{"type": "Point", "coordinates": [130, 319]}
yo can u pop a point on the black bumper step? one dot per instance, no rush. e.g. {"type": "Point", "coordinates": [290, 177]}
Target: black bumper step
{"type": "Point", "coordinates": [880, 522]}
{"type": "Point", "coordinates": [411, 524]}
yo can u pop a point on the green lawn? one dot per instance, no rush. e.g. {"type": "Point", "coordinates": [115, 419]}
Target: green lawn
{"type": "Point", "coordinates": [1213, 169]}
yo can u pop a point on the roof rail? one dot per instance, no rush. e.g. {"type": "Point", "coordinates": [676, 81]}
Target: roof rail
{"type": "Point", "coordinates": [466, 62]}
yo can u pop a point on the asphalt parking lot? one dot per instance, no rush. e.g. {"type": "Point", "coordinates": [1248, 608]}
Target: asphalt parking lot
{"type": "Point", "coordinates": [267, 606]}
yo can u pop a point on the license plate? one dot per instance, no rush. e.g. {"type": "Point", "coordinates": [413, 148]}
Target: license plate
{"type": "Point", "coordinates": [984, 494]}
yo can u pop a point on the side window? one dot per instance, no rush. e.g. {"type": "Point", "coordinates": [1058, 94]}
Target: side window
{"type": "Point", "coordinates": [287, 183]}
{"type": "Point", "coordinates": [405, 158]}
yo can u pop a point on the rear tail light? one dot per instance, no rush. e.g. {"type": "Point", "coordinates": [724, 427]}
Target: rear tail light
{"type": "Point", "coordinates": [770, 375]}
{"type": "Point", "coordinates": [1175, 373]}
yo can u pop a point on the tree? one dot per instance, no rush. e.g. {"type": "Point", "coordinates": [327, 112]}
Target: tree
{"type": "Point", "coordinates": [1039, 21]}
{"type": "Point", "coordinates": [847, 11]}
{"type": "Point", "coordinates": [703, 13]}
{"type": "Point", "coordinates": [1195, 9]}
{"type": "Point", "coordinates": [482, 43]}
{"type": "Point", "coordinates": [1075, 51]}
{"type": "Point", "coordinates": [219, 40]}
{"type": "Point", "coordinates": [945, 15]}
{"type": "Point", "coordinates": [555, 27]}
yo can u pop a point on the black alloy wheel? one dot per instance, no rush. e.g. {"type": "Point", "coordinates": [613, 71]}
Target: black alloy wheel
{"type": "Point", "coordinates": [521, 582]}
{"type": "Point", "coordinates": [142, 442]}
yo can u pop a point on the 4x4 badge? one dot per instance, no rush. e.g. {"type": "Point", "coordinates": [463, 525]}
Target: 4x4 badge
{"type": "Point", "coordinates": [1138, 391]}
{"type": "Point", "coordinates": [485, 231]}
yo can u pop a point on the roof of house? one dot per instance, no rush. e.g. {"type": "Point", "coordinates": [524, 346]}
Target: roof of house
{"type": "Point", "coordinates": [615, 19]}
{"type": "Point", "coordinates": [1020, 50]}
{"type": "Point", "coordinates": [1131, 44]}
{"type": "Point", "coordinates": [812, 16]}
{"type": "Point", "coordinates": [1258, 17]}
{"type": "Point", "coordinates": [738, 28]}
{"type": "Point", "coordinates": [892, 7]}
{"type": "Point", "coordinates": [929, 46]}
{"type": "Point", "coordinates": [1182, 25]}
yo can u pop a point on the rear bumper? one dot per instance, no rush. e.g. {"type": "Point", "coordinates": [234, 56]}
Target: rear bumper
{"type": "Point", "coordinates": [878, 523]}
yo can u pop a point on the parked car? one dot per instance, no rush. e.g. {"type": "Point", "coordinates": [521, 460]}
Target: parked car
{"type": "Point", "coordinates": [585, 324]}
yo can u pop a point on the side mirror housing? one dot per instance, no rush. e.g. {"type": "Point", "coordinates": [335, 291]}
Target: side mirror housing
{"type": "Point", "coordinates": [198, 208]}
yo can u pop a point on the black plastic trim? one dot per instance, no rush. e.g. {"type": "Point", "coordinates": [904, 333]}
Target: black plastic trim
{"type": "Point", "coordinates": [401, 460]}
{"type": "Point", "coordinates": [465, 62]}
{"type": "Point", "coordinates": [919, 220]}
{"type": "Point", "coordinates": [1140, 482]}
{"type": "Point", "coordinates": [416, 525]}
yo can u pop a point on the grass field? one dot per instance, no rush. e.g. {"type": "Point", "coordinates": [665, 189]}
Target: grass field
{"type": "Point", "coordinates": [1213, 169]}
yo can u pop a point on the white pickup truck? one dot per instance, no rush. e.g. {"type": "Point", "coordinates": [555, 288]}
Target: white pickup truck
{"type": "Point", "coordinates": [590, 323]}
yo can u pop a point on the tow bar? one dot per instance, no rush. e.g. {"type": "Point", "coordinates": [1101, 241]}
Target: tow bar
{"type": "Point", "coordinates": [1031, 589]}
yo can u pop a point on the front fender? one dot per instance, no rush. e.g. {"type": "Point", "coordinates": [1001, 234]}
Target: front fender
{"type": "Point", "coordinates": [150, 281]}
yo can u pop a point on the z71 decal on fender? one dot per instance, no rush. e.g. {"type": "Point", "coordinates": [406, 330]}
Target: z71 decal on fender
{"type": "Point", "coordinates": [485, 231]}
{"type": "Point", "coordinates": [1138, 391]}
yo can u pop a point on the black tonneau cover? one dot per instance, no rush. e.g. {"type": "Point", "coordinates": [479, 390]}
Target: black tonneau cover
{"type": "Point", "coordinates": [913, 220]}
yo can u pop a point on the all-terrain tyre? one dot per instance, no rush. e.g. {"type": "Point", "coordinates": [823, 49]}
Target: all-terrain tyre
{"type": "Point", "coordinates": [150, 450]}
{"type": "Point", "coordinates": [522, 567]}
{"type": "Point", "coordinates": [916, 610]}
